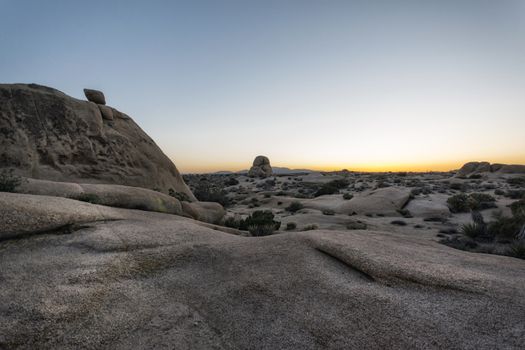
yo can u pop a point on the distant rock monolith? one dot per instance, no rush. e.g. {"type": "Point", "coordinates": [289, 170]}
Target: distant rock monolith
{"type": "Point", "coordinates": [261, 167]}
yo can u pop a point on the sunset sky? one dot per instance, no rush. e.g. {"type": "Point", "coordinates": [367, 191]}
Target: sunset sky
{"type": "Point", "coordinates": [362, 85]}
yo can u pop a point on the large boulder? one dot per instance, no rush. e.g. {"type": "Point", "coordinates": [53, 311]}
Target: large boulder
{"type": "Point", "coordinates": [45, 134]}
{"type": "Point", "coordinates": [261, 167]}
{"type": "Point", "coordinates": [386, 201]}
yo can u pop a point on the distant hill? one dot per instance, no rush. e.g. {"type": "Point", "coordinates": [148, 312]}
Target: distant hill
{"type": "Point", "coordinates": [276, 170]}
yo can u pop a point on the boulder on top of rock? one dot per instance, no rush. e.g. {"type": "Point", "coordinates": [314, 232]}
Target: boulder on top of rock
{"type": "Point", "coordinates": [45, 134]}
{"type": "Point", "coordinates": [95, 96]}
{"type": "Point", "coordinates": [261, 167]}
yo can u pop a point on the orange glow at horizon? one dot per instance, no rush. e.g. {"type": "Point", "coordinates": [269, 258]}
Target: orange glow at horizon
{"type": "Point", "coordinates": [385, 167]}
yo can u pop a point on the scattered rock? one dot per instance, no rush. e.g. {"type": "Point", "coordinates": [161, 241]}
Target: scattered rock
{"type": "Point", "coordinates": [107, 112]}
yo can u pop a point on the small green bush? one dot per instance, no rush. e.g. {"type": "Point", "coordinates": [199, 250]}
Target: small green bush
{"type": "Point", "coordinates": [473, 230]}
{"type": "Point", "coordinates": [310, 227]}
{"type": "Point", "coordinates": [515, 194]}
{"type": "Point", "coordinates": [294, 207]}
{"type": "Point", "coordinates": [291, 226]}
{"type": "Point", "coordinates": [205, 192]}
{"type": "Point", "coordinates": [8, 181]}
{"type": "Point", "coordinates": [458, 203]}
{"type": "Point", "coordinates": [231, 181]}
{"type": "Point", "coordinates": [181, 196]}
{"type": "Point", "coordinates": [480, 201]}
{"type": "Point", "coordinates": [348, 196]}
{"type": "Point", "coordinates": [260, 223]}
{"type": "Point", "coordinates": [356, 225]}
{"type": "Point", "coordinates": [261, 230]}
{"type": "Point", "coordinates": [230, 221]}
{"type": "Point", "coordinates": [462, 203]}
{"type": "Point", "coordinates": [398, 222]}
{"type": "Point", "coordinates": [517, 250]}
{"type": "Point", "coordinates": [505, 227]}
{"type": "Point", "coordinates": [331, 187]}
{"type": "Point", "coordinates": [516, 181]}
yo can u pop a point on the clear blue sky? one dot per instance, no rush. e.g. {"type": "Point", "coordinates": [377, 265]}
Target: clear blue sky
{"type": "Point", "coordinates": [321, 84]}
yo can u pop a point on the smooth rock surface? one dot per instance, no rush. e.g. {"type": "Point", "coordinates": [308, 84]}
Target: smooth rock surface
{"type": "Point", "coordinates": [147, 280]}
{"type": "Point", "coordinates": [110, 195]}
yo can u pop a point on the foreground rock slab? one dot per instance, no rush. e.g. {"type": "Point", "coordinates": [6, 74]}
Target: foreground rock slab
{"type": "Point", "coordinates": [131, 279]}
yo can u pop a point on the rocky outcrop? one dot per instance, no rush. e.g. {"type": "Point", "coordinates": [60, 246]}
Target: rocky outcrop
{"type": "Point", "coordinates": [261, 167]}
{"type": "Point", "coordinates": [122, 279]}
{"type": "Point", "coordinates": [110, 195]}
{"type": "Point", "coordinates": [45, 134]}
{"type": "Point", "coordinates": [472, 168]}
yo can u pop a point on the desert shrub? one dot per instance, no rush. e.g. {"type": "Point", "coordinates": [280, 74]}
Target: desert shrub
{"type": "Point", "coordinates": [499, 192]}
{"type": "Point", "coordinates": [398, 222]}
{"type": "Point", "coordinates": [480, 201]}
{"type": "Point", "coordinates": [310, 227]}
{"type": "Point", "coordinates": [515, 194]}
{"type": "Point", "coordinates": [448, 231]}
{"type": "Point", "coordinates": [505, 227]}
{"type": "Point", "coordinates": [205, 192]}
{"type": "Point", "coordinates": [261, 230]}
{"type": "Point", "coordinates": [517, 250]}
{"type": "Point", "coordinates": [181, 196]}
{"type": "Point", "coordinates": [518, 209]}
{"type": "Point", "coordinates": [459, 186]}
{"type": "Point", "coordinates": [458, 203]}
{"type": "Point", "coordinates": [260, 223]}
{"type": "Point", "coordinates": [331, 187]}
{"type": "Point", "coordinates": [8, 181]}
{"type": "Point", "coordinates": [231, 181]}
{"type": "Point", "coordinates": [291, 226]}
{"type": "Point", "coordinates": [328, 212]}
{"type": "Point", "coordinates": [230, 221]}
{"type": "Point", "coordinates": [294, 207]}
{"type": "Point", "coordinates": [89, 197]}
{"type": "Point", "coordinates": [348, 196]}
{"type": "Point", "coordinates": [475, 176]}
{"type": "Point", "coordinates": [516, 181]}
{"type": "Point", "coordinates": [356, 225]}
{"type": "Point", "coordinates": [462, 203]}
{"type": "Point", "coordinates": [473, 230]}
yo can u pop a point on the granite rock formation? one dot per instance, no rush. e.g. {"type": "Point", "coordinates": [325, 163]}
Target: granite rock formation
{"type": "Point", "coordinates": [261, 167]}
{"type": "Point", "coordinates": [45, 134]}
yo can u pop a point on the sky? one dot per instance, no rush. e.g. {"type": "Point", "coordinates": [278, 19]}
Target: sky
{"type": "Point", "coordinates": [362, 85]}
